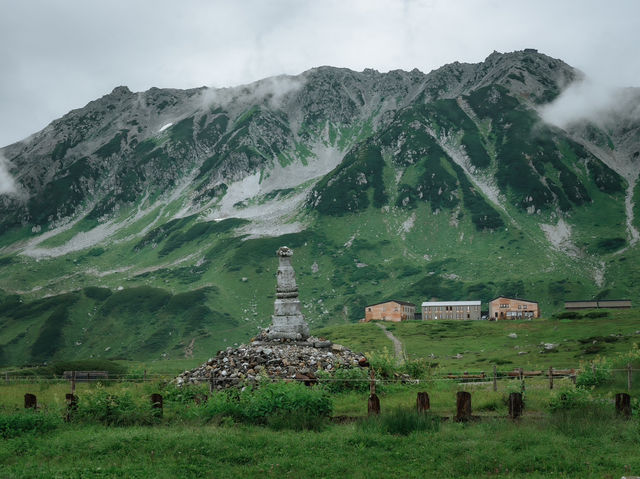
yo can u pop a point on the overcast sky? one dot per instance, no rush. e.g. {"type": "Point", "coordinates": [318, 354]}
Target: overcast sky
{"type": "Point", "coordinates": [56, 55]}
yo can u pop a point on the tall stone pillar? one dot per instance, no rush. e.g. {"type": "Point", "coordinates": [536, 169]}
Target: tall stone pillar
{"type": "Point", "coordinates": [287, 320]}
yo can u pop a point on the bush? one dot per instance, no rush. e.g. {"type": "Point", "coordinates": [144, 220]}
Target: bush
{"type": "Point", "coordinates": [302, 405]}
{"type": "Point", "coordinates": [345, 379]}
{"type": "Point", "coordinates": [401, 422]}
{"type": "Point", "coordinates": [12, 425]}
{"type": "Point", "coordinates": [417, 368]}
{"type": "Point", "coordinates": [383, 364]}
{"type": "Point", "coordinates": [569, 399]}
{"type": "Point", "coordinates": [184, 394]}
{"type": "Point", "coordinates": [598, 373]}
{"type": "Point", "coordinates": [568, 315]}
{"type": "Point", "coordinates": [113, 409]}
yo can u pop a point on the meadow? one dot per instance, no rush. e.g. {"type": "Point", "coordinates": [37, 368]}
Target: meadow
{"type": "Point", "coordinates": [289, 430]}
{"type": "Point", "coordinates": [583, 437]}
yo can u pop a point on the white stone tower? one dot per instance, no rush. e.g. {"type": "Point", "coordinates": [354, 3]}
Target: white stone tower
{"type": "Point", "coordinates": [287, 320]}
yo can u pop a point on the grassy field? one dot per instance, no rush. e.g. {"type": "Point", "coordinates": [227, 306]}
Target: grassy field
{"type": "Point", "coordinates": [458, 346]}
{"type": "Point", "coordinates": [584, 442]}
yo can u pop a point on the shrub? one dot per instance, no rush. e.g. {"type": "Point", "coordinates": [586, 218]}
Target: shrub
{"type": "Point", "coordinates": [384, 364]}
{"type": "Point", "coordinates": [279, 405]}
{"type": "Point", "coordinates": [12, 425]}
{"type": "Point", "coordinates": [568, 315]}
{"type": "Point", "coordinates": [345, 379]}
{"type": "Point", "coordinates": [569, 399]}
{"type": "Point", "coordinates": [113, 409]}
{"type": "Point", "coordinates": [598, 373]}
{"type": "Point", "coordinates": [184, 394]}
{"type": "Point", "coordinates": [417, 368]}
{"type": "Point", "coordinates": [97, 293]}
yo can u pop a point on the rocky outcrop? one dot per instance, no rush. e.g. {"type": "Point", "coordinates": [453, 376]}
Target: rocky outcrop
{"type": "Point", "coordinates": [272, 359]}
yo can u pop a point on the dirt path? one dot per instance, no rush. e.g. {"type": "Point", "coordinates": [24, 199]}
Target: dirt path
{"type": "Point", "coordinates": [398, 348]}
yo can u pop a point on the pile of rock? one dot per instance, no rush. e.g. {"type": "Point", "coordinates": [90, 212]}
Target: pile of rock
{"type": "Point", "coordinates": [266, 358]}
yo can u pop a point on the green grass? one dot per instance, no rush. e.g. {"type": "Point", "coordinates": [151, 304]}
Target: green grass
{"type": "Point", "coordinates": [590, 442]}
{"type": "Point", "coordinates": [485, 343]}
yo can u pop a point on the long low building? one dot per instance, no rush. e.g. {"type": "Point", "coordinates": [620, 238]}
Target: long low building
{"type": "Point", "coordinates": [450, 310]}
{"type": "Point", "coordinates": [603, 303]}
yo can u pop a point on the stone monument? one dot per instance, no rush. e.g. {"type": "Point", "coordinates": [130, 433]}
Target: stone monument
{"type": "Point", "coordinates": [287, 320]}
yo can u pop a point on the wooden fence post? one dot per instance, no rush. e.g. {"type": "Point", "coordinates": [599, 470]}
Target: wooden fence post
{"type": "Point", "coordinates": [72, 405]}
{"type": "Point", "coordinates": [495, 378]}
{"type": "Point", "coordinates": [373, 404]}
{"type": "Point", "coordinates": [463, 406]}
{"type": "Point", "coordinates": [211, 384]}
{"type": "Point", "coordinates": [156, 404]}
{"type": "Point", "coordinates": [550, 377]}
{"type": "Point", "coordinates": [73, 382]}
{"type": "Point", "coordinates": [629, 372]}
{"type": "Point", "coordinates": [30, 401]}
{"type": "Point", "coordinates": [145, 376]}
{"type": "Point", "coordinates": [515, 405]}
{"type": "Point", "coordinates": [423, 402]}
{"type": "Point", "coordinates": [623, 405]}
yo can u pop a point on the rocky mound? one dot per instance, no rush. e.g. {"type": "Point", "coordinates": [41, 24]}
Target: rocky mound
{"type": "Point", "coordinates": [272, 359]}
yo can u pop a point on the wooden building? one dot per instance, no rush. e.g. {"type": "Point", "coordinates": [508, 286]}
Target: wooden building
{"type": "Point", "coordinates": [513, 308]}
{"type": "Point", "coordinates": [391, 310]}
{"type": "Point", "coordinates": [450, 310]}
{"type": "Point", "coordinates": [593, 304]}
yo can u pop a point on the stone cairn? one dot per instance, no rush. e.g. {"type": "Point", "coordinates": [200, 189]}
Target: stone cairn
{"type": "Point", "coordinates": [283, 351]}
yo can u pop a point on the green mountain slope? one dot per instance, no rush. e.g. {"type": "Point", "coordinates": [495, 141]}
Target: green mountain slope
{"type": "Point", "coordinates": [146, 223]}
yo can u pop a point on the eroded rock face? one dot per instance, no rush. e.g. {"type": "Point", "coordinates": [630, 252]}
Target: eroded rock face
{"type": "Point", "coordinates": [265, 358]}
{"type": "Point", "coordinates": [287, 320]}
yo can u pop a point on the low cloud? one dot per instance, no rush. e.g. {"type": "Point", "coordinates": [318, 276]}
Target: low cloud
{"type": "Point", "coordinates": [7, 183]}
{"type": "Point", "coordinates": [589, 101]}
{"type": "Point", "coordinates": [272, 91]}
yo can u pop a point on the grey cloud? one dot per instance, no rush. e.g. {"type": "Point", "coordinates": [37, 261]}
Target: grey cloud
{"type": "Point", "coordinates": [588, 100]}
{"type": "Point", "coordinates": [59, 55]}
{"type": "Point", "coordinates": [7, 183]}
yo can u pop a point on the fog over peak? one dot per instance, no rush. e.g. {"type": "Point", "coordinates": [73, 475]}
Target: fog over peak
{"type": "Point", "coordinates": [7, 183]}
{"type": "Point", "coordinates": [588, 100]}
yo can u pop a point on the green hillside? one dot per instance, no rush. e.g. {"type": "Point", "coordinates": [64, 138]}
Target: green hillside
{"type": "Point", "coordinates": [150, 221]}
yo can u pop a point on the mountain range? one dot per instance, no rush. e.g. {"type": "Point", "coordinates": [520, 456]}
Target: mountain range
{"type": "Point", "coordinates": [145, 224]}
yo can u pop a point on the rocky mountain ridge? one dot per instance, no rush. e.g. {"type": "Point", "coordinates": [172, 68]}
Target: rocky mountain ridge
{"type": "Point", "coordinates": [443, 185]}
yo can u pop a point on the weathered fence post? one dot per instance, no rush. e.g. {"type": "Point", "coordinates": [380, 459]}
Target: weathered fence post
{"type": "Point", "coordinates": [423, 402]}
{"type": "Point", "coordinates": [73, 382]}
{"type": "Point", "coordinates": [211, 384]}
{"type": "Point", "coordinates": [623, 404]}
{"type": "Point", "coordinates": [6, 377]}
{"type": "Point", "coordinates": [463, 406]}
{"type": "Point", "coordinates": [145, 376]}
{"type": "Point", "coordinates": [156, 404]}
{"type": "Point", "coordinates": [550, 377]}
{"type": "Point", "coordinates": [72, 405]}
{"type": "Point", "coordinates": [373, 404]}
{"type": "Point", "coordinates": [629, 372]}
{"type": "Point", "coordinates": [573, 378]}
{"type": "Point", "coordinates": [515, 405]}
{"type": "Point", "coordinates": [30, 401]}
{"type": "Point", "coordinates": [495, 378]}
